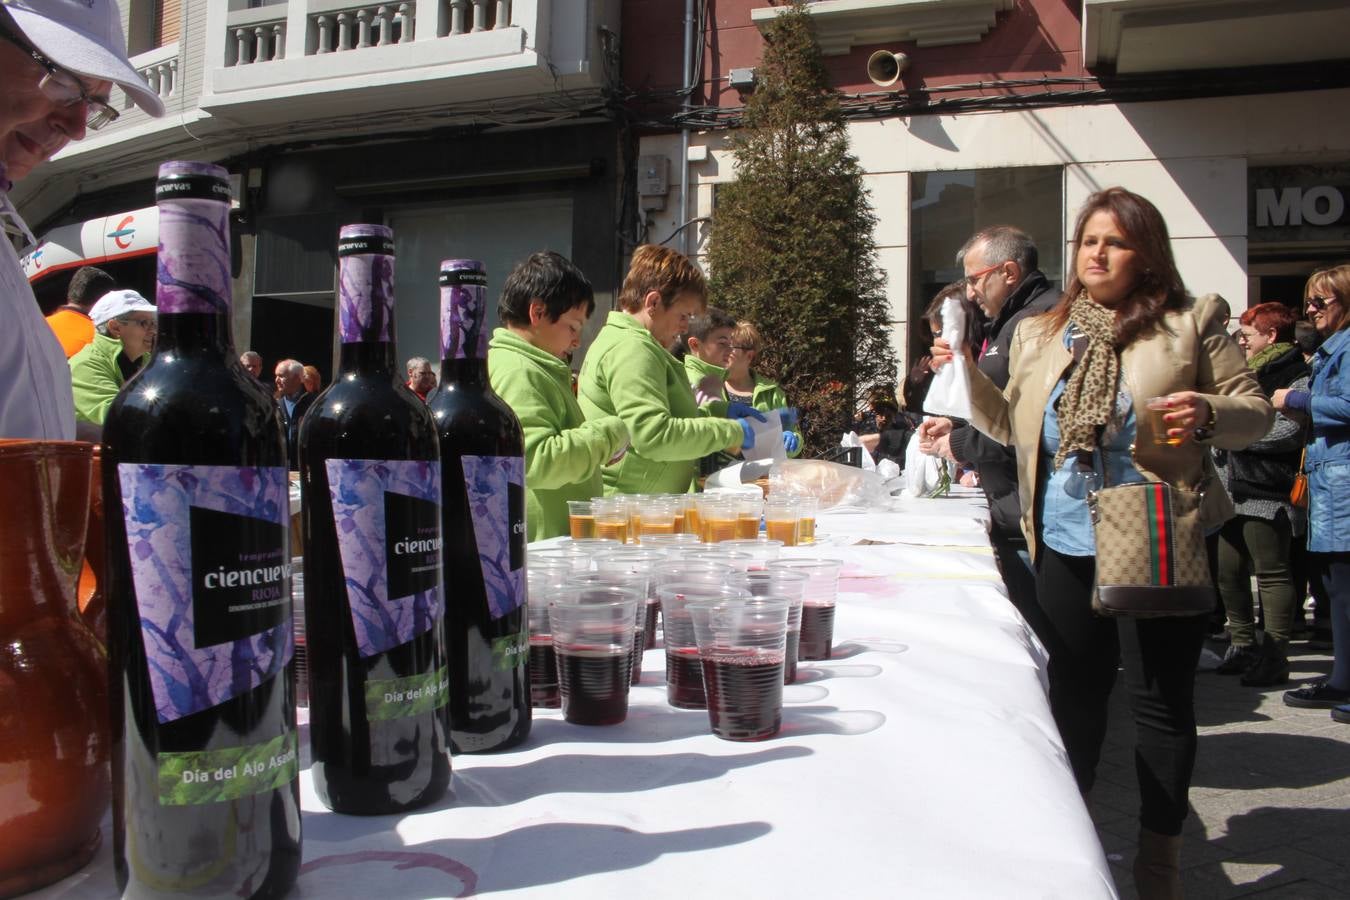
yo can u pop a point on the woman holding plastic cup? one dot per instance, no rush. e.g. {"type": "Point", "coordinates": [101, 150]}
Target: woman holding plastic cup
{"type": "Point", "coordinates": [1075, 412]}
{"type": "Point", "coordinates": [630, 373]}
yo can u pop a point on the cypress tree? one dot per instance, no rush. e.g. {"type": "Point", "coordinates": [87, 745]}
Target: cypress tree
{"type": "Point", "coordinates": [791, 245]}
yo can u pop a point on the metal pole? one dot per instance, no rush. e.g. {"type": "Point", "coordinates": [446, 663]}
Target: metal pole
{"type": "Point", "coordinates": [684, 126]}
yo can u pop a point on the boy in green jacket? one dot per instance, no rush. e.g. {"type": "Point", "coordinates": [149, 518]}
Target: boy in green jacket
{"type": "Point", "coordinates": [630, 373]}
{"type": "Point", "coordinates": [544, 304]}
{"type": "Point", "coordinates": [709, 350]}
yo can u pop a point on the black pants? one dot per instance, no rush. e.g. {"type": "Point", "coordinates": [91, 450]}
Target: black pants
{"type": "Point", "coordinates": [1018, 577]}
{"type": "Point", "coordinates": [1159, 657]}
{"type": "Point", "coordinates": [1334, 569]}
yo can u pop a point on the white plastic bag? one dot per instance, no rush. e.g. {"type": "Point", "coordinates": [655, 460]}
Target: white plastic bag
{"type": "Point", "coordinates": [922, 473]}
{"type": "Point", "coordinates": [949, 392]}
{"type": "Point", "coordinates": [852, 440]}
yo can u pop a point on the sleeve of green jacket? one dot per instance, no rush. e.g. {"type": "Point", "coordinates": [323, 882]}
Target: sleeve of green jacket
{"type": "Point", "coordinates": [556, 455]}
{"type": "Point", "coordinates": [637, 382]}
{"type": "Point", "coordinates": [95, 381]}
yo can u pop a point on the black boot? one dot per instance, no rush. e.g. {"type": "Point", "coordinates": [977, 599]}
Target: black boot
{"type": "Point", "coordinates": [1271, 668]}
{"type": "Point", "coordinates": [1238, 658]}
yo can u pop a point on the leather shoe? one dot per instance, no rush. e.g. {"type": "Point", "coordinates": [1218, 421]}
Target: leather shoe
{"type": "Point", "coordinates": [1316, 696]}
{"type": "Point", "coordinates": [1341, 714]}
{"type": "Point", "coordinates": [1238, 659]}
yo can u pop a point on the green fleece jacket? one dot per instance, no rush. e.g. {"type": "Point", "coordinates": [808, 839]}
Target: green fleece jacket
{"type": "Point", "coordinates": [767, 396]}
{"type": "Point", "coordinates": [696, 370]}
{"type": "Point", "coordinates": [563, 451]}
{"type": "Point", "coordinates": [95, 378]}
{"type": "Point", "coordinates": [628, 374]}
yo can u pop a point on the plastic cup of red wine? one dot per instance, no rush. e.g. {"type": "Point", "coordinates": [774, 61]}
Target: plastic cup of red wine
{"type": "Point", "coordinates": [789, 585]}
{"type": "Point", "coordinates": [641, 561]}
{"type": "Point", "coordinates": [684, 672]}
{"type": "Point", "coordinates": [579, 558]}
{"type": "Point", "coordinates": [818, 602]}
{"type": "Point", "coordinates": [741, 646]}
{"type": "Point", "coordinates": [732, 558]}
{"type": "Point", "coordinates": [593, 639]}
{"type": "Point", "coordinates": [640, 584]}
{"type": "Point", "coordinates": [544, 581]}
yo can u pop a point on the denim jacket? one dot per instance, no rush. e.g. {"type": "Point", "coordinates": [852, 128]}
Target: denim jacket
{"type": "Point", "coordinates": [1328, 460]}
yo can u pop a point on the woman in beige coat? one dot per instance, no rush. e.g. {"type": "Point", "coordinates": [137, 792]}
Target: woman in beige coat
{"type": "Point", "coordinates": [1075, 409]}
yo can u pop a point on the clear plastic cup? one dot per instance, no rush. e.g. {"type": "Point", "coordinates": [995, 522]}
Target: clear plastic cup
{"type": "Point", "coordinates": [578, 559]}
{"type": "Point", "coordinates": [591, 546]}
{"type": "Point", "coordinates": [640, 582]}
{"type": "Point", "coordinates": [741, 645]}
{"type": "Point", "coordinates": [592, 630]}
{"type": "Point", "coordinates": [762, 549]}
{"type": "Point", "coordinates": [749, 511]}
{"type": "Point", "coordinates": [673, 545]}
{"type": "Point", "coordinates": [782, 522]}
{"type": "Point", "coordinates": [693, 523]}
{"type": "Point", "coordinates": [611, 519]}
{"type": "Point", "coordinates": [684, 674]}
{"type": "Point", "coordinates": [707, 571]}
{"type": "Point", "coordinates": [789, 585]}
{"type": "Point", "coordinates": [733, 558]}
{"type": "Point", "coordinates": [639, 560]}
{"type": "Point", "coordinates": [580, 519]}
{"type": "Point", "coordinates": [544, 583]}
{"type": "Point", "coordinates": [818, 603]}
{"type": "Point", "coordinates": [657, 517]}
{"type": "Point", "coordinates": [717, 516]}
{"type": "Point", "coordinates": [807, 510]}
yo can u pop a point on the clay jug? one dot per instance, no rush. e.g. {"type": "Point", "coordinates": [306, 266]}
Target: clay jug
{"type": "Point", "coordinates": [53, 672]}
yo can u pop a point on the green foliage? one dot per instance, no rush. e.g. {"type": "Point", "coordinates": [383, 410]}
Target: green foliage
{"type": "Point", "coordinates": [792, 245]}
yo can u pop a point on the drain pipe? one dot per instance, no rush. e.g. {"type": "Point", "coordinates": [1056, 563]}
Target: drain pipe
{"type": "Point", "coordinates": [688, 84]}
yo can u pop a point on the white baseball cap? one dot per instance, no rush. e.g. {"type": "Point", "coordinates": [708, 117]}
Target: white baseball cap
{"type": "Point", "coordinates": [84, 37]}
{"type": "Point", "coordinates": [119, 303]}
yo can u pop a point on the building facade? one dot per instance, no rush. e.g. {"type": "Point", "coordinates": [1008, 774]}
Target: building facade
{"type": "Point", "coordinates": [475, 128]}
{"type": "Point", "coordinates": [1224, 114]}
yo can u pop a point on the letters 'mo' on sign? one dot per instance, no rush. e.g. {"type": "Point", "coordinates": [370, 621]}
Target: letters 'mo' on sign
{"type": "Point", "coordinates": [1299, 203]}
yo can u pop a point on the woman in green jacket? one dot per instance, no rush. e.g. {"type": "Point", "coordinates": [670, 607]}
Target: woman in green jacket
{"type": "Point", "coordinates": [544, 304]}
{"type": "Point", "coordinates": [629, 372]}
{"type": "Point", "coordinates": [743, 384]}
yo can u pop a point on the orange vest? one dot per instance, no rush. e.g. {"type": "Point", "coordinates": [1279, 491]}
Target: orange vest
{"type": "Point", "coordinates": [73, 329]}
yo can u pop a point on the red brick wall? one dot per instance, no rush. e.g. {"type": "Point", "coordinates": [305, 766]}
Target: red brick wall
{"type": "Point", "coordinates": [1034, 39]}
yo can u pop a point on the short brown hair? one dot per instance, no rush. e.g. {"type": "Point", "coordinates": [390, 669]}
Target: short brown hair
{"type": "Point", "coordinates": [1271, 316]}
{"type": "Point", "coordinates": [747, 335]}
{"type": "Point", "coordinates": [1335, 281]}
{"type": "Point", "coordinates": [661, 269]}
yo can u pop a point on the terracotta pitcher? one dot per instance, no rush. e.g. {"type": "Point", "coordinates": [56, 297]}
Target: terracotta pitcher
{"type": "Point", "coordinates": [53, 671]}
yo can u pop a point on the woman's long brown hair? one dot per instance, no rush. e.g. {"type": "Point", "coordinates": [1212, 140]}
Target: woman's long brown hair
{"type": "Point", "coordinates": [1161, 288]}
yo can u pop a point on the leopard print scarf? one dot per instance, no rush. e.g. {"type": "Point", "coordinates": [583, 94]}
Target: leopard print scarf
{"type": "Point", "coordinates": [1089, 397]}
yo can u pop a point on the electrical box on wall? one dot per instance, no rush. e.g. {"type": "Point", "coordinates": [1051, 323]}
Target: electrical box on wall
{"type": "Point", "coordinates": [653, 181]}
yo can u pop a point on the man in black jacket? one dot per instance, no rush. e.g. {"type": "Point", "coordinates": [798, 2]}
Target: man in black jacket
{"type": "Point", "coordinates": [1000, 265]}
{"type": "Point", "coordinates": [292, 400]}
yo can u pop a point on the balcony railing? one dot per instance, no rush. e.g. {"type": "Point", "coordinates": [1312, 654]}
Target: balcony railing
{"type": "Point", "coordinates": [159, 68]}
{"type": "Point", "coordinates": [337, 26]}
{"type": "Point", "coordinates": [256, 36]}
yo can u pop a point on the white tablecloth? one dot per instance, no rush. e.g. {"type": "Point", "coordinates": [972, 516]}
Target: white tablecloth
{"type": "Point", "coordinates": [921, 761]}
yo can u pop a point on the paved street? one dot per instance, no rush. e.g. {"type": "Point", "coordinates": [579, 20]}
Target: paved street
{"type": "Point", "coordinates": [1270, 798]}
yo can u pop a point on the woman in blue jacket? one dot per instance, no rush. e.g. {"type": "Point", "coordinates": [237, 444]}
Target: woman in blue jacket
{"type": "Point", "coordinates": [1327, 301]}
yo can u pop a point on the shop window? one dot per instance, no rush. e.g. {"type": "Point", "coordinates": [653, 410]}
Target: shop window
{"type": "Point", "coordinates": [946, 208]}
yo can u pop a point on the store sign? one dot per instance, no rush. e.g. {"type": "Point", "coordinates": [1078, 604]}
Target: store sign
{"type": "Point", "coordinates": [1299, 203]}
{"type": "Point", "coordinates": [94, 242]}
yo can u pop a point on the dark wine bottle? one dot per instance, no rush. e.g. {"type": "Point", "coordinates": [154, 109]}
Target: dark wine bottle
{"type": "Point", "coordinates": [205, 762]}
{"type": "Point", "coordinates": [483, 464]}
{"type": "Point", "coordinates": [370, 478]}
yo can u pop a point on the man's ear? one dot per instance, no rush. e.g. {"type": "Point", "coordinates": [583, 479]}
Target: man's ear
{"type": "Point", "coordinates": [1013, 271]}
{"type": "Point", "coordinates": [694, 343]}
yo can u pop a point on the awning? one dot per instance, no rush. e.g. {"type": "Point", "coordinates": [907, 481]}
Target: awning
{"type": "Point", "coordinates": [107, 239]}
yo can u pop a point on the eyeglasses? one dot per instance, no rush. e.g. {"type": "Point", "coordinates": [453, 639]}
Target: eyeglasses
{"type": "Point", "coordinates": [744, 348]}
{"type": "Point", "coordinates": [65, 89]}
{"type": "Point", "coordinates": [1320, 303]}
{"type": "Point", "coordinates": [976, 276]}
{"type": "Point", "coordinates": [147, 324]}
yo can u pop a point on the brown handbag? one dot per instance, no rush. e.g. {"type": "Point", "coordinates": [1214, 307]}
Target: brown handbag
{"type": "Point", "coordinates": [1298, 494]}
{"type": "Point", "coordinates": [1151, 559]}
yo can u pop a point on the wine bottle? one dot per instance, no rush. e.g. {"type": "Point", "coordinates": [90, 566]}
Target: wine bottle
{"type": "Point", "coordinates": [205, 760]}
{"type": "Point", "coordinates": [483, 464]}
{"type": "Point", "coordinates": [370, 479]}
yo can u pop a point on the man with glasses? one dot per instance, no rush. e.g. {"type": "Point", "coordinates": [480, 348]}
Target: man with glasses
{"type": "Point", "coordinates": [58, 62]}
{"type": "Point", "coordinates": [124, 334]}
{"type": "Point", "coordinates": [1001, 275]}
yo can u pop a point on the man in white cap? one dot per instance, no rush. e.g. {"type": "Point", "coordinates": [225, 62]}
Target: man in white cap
{"type": "Point", "coordinates": [58, 62]}
{"type": "Point", "coordinates": [124, 334]}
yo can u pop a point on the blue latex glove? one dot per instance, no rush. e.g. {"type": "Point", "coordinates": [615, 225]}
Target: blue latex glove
{"type": "Point", "coordinates": [738, 410]}
{"type": "Point", "coordinates": [791, 442]}
{"type": "Point", "coordinates": [788, 415]}
{"type": "Point", "coordinates": [748, 433]}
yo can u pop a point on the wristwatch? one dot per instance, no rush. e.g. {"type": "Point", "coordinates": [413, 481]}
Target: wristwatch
{"type": "Point", "coordinates": [1206, 431]}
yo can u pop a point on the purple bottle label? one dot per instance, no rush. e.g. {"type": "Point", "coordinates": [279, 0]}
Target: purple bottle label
{"type": "Point", "coordinates": [388, 517]}
{"type": "Point", "coordinates": [463, 309]}
{"type": "Point", "coordinates": [193, 265]}
{"type": "Point", "coordinates": [496, 489]}
{"type": "Point", "coordinates": [211, 569]}
{"type": "Point", "coordinates": [365, 284]}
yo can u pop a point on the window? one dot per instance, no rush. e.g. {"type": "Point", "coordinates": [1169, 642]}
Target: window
{"type": "Point", "coordinates": [153, 23]}
{"type": "Point", "coordinates": [946, 208]}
